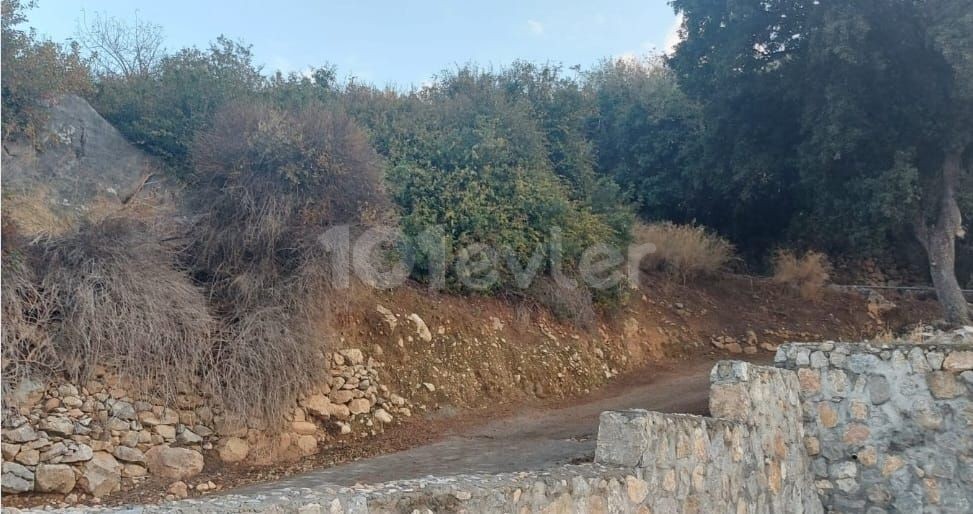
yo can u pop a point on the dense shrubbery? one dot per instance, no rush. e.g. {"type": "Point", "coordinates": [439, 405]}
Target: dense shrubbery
{"type": "Point", "coordinates": [471, 154]}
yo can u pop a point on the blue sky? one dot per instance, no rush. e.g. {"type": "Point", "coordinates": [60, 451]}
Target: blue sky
{"type": "Point", "coordinates": [392, 42]}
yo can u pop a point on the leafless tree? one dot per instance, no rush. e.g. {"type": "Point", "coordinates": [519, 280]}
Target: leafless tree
{"type": "Point", "coordinates": [119, 47]}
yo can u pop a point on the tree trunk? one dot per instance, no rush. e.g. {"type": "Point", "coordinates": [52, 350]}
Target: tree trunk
{"type": "Point", "coordinates": [939, 240]}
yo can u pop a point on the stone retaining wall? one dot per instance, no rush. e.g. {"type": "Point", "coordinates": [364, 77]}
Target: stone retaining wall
{"type": "Point", "coordinates": [889, 426]}
{"type": "Point", "coordinates": [747, 459]}
{"type": "Point", "coordinates": [750, 461]}
{"type": "Point", "coordinates": [97, 438]}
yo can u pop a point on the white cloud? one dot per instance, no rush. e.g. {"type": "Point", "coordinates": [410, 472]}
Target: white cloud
{"type": "Point", "coordinates": [672, 37]}
{"type": "Point", "coordinates": [535, 27]}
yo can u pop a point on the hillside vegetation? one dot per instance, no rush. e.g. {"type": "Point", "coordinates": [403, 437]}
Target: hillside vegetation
{"type": "Point", "coordinates": [777, 128]}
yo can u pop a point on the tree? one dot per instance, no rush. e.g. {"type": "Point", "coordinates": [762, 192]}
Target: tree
{"type": "Point", "coordinates": [34, 70]}
{"type": "Point", "coordinates": [856, 112]}
{"type": "Point", "coordinates": [163, 111]}
{"type": "Point", "coordinates": [121, 48]}
{"type": "Point", "coordinates": [645, 136]}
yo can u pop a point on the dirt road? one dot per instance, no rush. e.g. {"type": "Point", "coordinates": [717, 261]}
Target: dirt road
{"type": "Point", "coordinates": [531, 439]}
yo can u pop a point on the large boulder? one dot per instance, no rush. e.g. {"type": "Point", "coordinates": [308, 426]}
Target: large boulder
{"type": "Point", "coordinates": [102, 475]}
{"type": "Point", "coordinates": [174, 463]}
{"type": "Point", "coordinates": [54, 478]}
{"type": "Point", "coordinates": [75, 162]}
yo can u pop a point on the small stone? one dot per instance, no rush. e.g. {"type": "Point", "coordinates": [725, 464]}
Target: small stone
{"type": "Point", "coordinates": [856, 434]}
{"type": "Point", "coordinates": [943, 385]}
{"type": "Point", "coordinates": [878, 389]}
{"type": "Point", "coordinates": [54, 478]}
{"type": "Point", "coordinates": [77, 453]}
{"type": "Point", "coordinates": [10, 450]}
{"type": "Point", "coordinates": [134, 471]}
{"type": "Point", "coordinates": [891, 464]}
{"type": "Point", "coordinates": [354, 356]}
{"type": "Point", "coordinates": [359, 406]}
{"type": "Point", "coordinates": [28, 457]}
{"type": "Point", "coordinates": [429, 387]}
{"type": "Point", "coordinates": [383, 416]}
{"type": "Point", "coordinates": [859, 410]}
{"type": "Point", "coordinates": [234, 449]}
{"type": "Point", "coordinates": [387, 316]}
{"type": "Point", "coordinates": [307, 444]}
{"type": "Point", "coordinates": [959, 361]}
{"type": "Point", "coordinates": [421, 329]}
{"type": "Point", "coordinates": [827, 415]}
{"type": "Point", "coordinates": [812, 445]}
{"type": "Point", "coordinates": [126, 454]}
{"type": "Point", "coordinates": [637, 489]}
{"type": "Point", "coordinates": [463, 495]}
{"type": "Point", "coordinates": [342, 396]}
{"type": "Point", "coordinates": [167, 432]}
{"type": "Point", "coordinates": [187, 436]}
{"type": "Point", "coordinates": [57, 425]}
{"type": "Point", "coordinates": [179, 489]}
{"type": "Point", "coordinates": [304, 427]}
{"type": "Point", "coordinates": [122, 410]}
{"type": "Point", "coordinates": [733, 348]}
{"type": "Point", "coordinates": [810, 380]}
{"type": "Point", "coordinates": [868, 456]}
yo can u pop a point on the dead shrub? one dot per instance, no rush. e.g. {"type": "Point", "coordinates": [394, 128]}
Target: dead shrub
{"type": "Point", "coordinates": [683, 251]}
{"type": "Point", "coordinates": [27, 316]}
{"type": "Point", "coordinates": [121, 302]}
{"type": "Point", "coordinates": [807, 274]}
{"type": "Point", "coordinates": [571, 305]}
{"type": "Point", "coordinates": [276, 181]}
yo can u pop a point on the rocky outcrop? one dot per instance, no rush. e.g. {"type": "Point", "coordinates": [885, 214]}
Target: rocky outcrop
{"type": "Point", "coordinates": [77, 162]}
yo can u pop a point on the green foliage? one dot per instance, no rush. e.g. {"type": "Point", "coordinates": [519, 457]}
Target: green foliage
{"type": "Point", "coordinates": [34, 70]}
{"type": "Point", "coordinates": [645, 133]}
{"type": "Point", "coordinates": [475, 154]}
{"type": "Point", "coordinates": [825, 122]}
{"type": "Point", "coordinates": [163, 110]}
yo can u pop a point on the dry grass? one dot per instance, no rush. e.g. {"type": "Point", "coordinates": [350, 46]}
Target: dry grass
{"type": "Point", "coordinates": [120, 302]}
{"type": "Point", "coordinates": [683, 251]}
{"type": "Point", "coordinates": [27, 316]}
{"type": "Point", "coordinates": [807, 274]}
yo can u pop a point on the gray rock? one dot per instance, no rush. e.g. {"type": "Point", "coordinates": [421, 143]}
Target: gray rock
{"type": "Point", "coordinates": [59, 425]}
{"type": "Point", "coordinates": [126, 454]}
{"type": "Point", "coordinates": [879, 391]}
{"type": "Point", "coordinates": [16, 478]}
{"type": "Point", "coordinates": [77, 453]}
{"type": "Point", "coordinates": [22, 434]}
{"type": "Point", "coordinates": [78, 158]}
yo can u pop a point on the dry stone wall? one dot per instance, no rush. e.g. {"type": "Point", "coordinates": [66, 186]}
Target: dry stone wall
{"type": "Point", "coordinates": [889, 426]}
{"type": "Point", "coordinates": [95, 439]}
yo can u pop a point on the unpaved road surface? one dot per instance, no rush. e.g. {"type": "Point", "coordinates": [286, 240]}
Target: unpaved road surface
{"type": "Point", "coordinates": [532, 439]}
